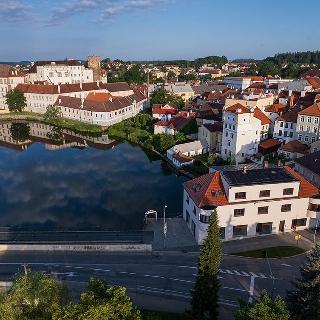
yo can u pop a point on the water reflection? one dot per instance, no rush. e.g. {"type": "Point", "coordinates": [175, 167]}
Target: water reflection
{"type": "Point", "coordinates": [88, 182]}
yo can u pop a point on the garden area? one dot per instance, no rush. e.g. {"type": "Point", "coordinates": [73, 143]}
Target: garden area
{"type": "Point", "coordinates": [139, 130]}
{"type": "Point", "coordinates": [272, 252]}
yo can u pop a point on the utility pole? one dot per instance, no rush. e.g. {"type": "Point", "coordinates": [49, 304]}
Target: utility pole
{"type": "Point", "coordinates": [25, 269]}
{"type": "Point", "coordinates": [315, 232]}
{"type": "Point", "coordinates": [165, 227]}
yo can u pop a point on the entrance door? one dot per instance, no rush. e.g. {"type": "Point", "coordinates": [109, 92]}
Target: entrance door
{"type": "Point", "coordinates": [281, 225]}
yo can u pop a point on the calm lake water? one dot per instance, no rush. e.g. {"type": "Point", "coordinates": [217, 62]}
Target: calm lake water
{"type": "Point", "coordinates": [80, 183]}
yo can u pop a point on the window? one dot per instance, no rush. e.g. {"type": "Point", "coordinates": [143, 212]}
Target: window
{"type": "Point", "coordinates": [309, 119]}
{"type": "Point", "coordinates": [291, 134]}
{"type": "Point", "coordinates": [306, 138]}
{"type": "Point", "coordinates": [313, 139]}
{"type": "Point", "coordinates": [263, 210]}
{"type": "Point", "coordinates": [281, 124]}
{"type": "Point", "coordinates": [286, 125]}
{"type": "Point", "coordinates": [240, 231]}
{"type": "Point", "coordinates": [288, 192]}
{"type": "Point", "coordinates": [316, 120]}
{"type": "Point", "coordinates": [280, 132]}
{"type": "Point", "coordinates": [222, 233]}
{"type": "Point", "coordinates": [315, 129]}
{"type": "Point", "coordinates": [264, 193]}
{"type": "Point", "coordinates": [240, 195]}
{"type": "Point", "coordinates": [204, 218]}
{"type": "Point", "coordinates": [187, 199]}
{"type": "Point", "coordinates": [302, 119]}
{"type": "Point", "coordinates": [299, 137]}
{"type": "Point", "coordinates": [286, 208]}
{"type": "Point", "coordinates": [238, 212]}
{"type": "Point", "coordinates": [194, 210]}
{"type": "Point", "coordinates": [298, 223]}
{"type": "Point", "coordinates": [187, 217]}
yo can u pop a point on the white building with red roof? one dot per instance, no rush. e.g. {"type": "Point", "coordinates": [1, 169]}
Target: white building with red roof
{"type": "Point", "coordinates": [10, 77]}
{"type": "Point", "coordinates": [308, 124]}
{"type": "Point", "coordinates": [250, 203]}
{"type": "Point", "coordinates": [163, 113]}
{"type": "Point", "coordinates": [243, 129]}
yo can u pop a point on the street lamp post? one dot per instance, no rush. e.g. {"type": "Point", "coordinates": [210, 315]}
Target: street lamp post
{"type": "Point", "coordinates": [315, 231]}
{"type": "Point", "coordinates": [165, 227]}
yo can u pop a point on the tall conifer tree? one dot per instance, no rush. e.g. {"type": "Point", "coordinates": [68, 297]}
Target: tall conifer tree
{"type": "Point", "coordinates": [205, 293]}
{"type": "Point", "coordinates": [304, 299]}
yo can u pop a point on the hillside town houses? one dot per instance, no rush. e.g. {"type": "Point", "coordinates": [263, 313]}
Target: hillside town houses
{"type": "Point", "coordinates": [243, 121]}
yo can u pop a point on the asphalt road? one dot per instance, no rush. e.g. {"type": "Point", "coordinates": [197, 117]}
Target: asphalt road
{"type": "Point", "coordinates": [159, 281]}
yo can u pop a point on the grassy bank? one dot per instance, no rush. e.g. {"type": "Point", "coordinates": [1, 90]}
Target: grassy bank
{"type": "Point", "coordinates": [273, 252]}
{"type": "Point", "coordinates": [139, 130]}
{"type": "Point", "coordinates": [70, 124]}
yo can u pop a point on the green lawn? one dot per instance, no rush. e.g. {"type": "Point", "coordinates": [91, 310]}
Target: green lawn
{"type": "Point", "coordinates": [272, 252]}
{"type": "Point", "coordinates": [154, 315]}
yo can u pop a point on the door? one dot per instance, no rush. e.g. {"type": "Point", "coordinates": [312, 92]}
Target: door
{"type": "Point", "coordinates": [281, 225]}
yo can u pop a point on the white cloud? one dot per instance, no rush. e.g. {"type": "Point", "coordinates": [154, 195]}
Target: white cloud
{"type": "Point", "coordinates": [105, 9]}
{"type": "Point", "coordinates": [15, 10]}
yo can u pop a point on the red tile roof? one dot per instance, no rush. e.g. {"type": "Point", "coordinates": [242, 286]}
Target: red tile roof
{"type": "Point", "coordinates": [99, 96]}
{"type": "Point", "coordinates": [313, 110]}
{"type": "Point", "coordinates": [261, 116]}
{"type": "Point", "coordinates": [295, 146]}
{"type": "Point", "coordinates": [167, 109]}
{"type": "Point", "coordinates": [96, 106]}
{"type": "Point", "coordinates": [207, 190]}
{"type": "Point", "coordinates": [7, 71]}
{"type": "Point", "coordinates": [277, 107]}
{"type": "Point", "coordinates": [307, 189]}
{"type": "Point", "coordinates": [270, 143]}
{"type": "Point", "coordinates": [238, 107]}
{"type": "Point", "coordinates": [314, 82]}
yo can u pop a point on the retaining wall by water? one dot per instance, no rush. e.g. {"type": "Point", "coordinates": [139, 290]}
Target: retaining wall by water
{"type": "Point", "coordinates": [77, 247]}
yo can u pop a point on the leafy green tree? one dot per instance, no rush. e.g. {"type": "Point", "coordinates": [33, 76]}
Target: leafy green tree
{"type": "Point", "coordinates": [100, 301]}
{"type": "Point", "coordinates": [191, 127]}
{"type": "Point", "coordinates": [171, 74]}
{"type": "Point", "coordinates": [135, 75]}
{"type": "Point", "coordinates": [163, 142]}
{"type": "Point", "coordinates": [304, 299]}
{"type": "Point", "coordinates": [20, 131]}
{"type": "Point", "coordinates": [53, 114]}
{"type": "Point", "coordinates": [162, 96]}
{"type": "Point", "coordinates": [33, 296]}
{"type": "Point", "coordinates": [265, 308]}
{"type": "Point", "coordinates": [204, 303]}
{"type": "Point", "coordinates": [16, 101]}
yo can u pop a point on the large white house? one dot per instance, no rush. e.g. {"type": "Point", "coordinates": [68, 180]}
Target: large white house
{"type": "Point", "coordinates": [39, 97]}
{"type": "Point", "coordinates": [243, 129]}
{"type": "Point", "coordinates": [59, 72]}
{"type": "Point", "coordinates": [10, 77]}
{"type": "Point", "coordinates": [250, 203]}
{"type": "Point", "coordinates": [104, 112]}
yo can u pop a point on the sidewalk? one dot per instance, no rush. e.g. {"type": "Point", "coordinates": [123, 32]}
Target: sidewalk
{"type": "Point", "coordinates": [267, 241]}
{"type": "Point", "coordinates": [179, 238]}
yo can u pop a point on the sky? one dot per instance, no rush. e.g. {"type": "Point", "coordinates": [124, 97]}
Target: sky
{"type": "Point", "coordinates": [156, 29]}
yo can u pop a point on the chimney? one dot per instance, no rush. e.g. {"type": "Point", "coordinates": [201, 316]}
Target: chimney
{"type": "Point", "coordinates": [59, 100]}
{"type": "Point", "coordinates": [245, 170]}
{"type": "Point", "coordinates": [291, 101]}
{"type": "Point", "coordinates": [81, 85]}
{"type": "Point", "coordinates": [266, 164]}
{"type": "Point", "coordinates": [59, 89]}
{"type": "Point", "coordinates": [279, 163]}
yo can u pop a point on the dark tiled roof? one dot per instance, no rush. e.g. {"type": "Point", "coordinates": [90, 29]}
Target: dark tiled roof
{"type": "Point", "coordinates": [258, 176]}
{"type": "Point", "coordinates": [295, 146]}
{"type": "Point", "coordinates": [118, 86]}
{"type": "Point", "coordinates": [310, 161]}
{"type": "Point", "coordinates": [214, 127]}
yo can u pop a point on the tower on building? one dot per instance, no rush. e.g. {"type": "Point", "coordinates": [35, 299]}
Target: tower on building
{"type": "Point", "coordinates": [94, 64]}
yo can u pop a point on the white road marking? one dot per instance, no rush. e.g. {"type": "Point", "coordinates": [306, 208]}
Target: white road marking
{"type": "Point", "coordinates": [234, 289]}
{"type": "Point", "coordinates": [286, 265]}
{"type": "Point", "coordinates": [253, 274]}
{"type": "Point", "coordinates": [245, 274]}
{"type": "Point", "coordinates": [251, 291]}
{"type": "Point", "coordinates": [229, 303]}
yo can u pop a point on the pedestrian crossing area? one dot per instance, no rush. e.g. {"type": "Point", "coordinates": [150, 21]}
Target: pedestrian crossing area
{"type": "Point", "coordinates": [244, 273]}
